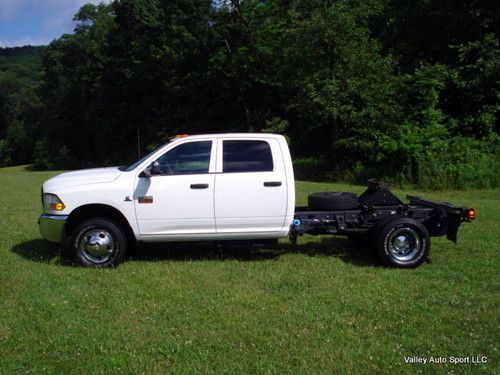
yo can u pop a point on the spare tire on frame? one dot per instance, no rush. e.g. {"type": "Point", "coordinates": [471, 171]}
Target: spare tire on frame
{"type": "Point", "coordinates": [331, 201]}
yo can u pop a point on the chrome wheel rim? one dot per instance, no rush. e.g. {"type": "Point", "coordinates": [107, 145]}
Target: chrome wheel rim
{"type": "Point", "coordinates": [97, 246]}
{"type": "Point", "coordinates": [404, 244]}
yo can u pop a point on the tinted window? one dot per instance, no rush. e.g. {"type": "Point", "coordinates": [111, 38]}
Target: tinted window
{"type": "Point", "coordinates": [246, 156]}
{"type": "Point", "coordinates": [188, 158]}
{"type": "Point", "coordinates": [136, 164]}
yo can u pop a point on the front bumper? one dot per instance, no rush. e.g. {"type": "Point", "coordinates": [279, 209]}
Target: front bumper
{"type": "Point", "coordinates": [52, 227]}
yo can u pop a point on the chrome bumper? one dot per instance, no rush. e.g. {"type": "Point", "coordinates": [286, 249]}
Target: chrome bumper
{"type": "Point", "coordinates": [52, 226]}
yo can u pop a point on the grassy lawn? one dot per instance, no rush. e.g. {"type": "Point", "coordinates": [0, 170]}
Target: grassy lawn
{"type": "Point", "coordinates": [327, 307]}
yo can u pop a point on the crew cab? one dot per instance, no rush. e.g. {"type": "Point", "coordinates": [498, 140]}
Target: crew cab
{"type": "Point", "coordinates": [224, 187]}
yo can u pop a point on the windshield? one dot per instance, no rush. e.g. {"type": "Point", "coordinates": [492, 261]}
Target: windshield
{"type": "Point", "coordinates": [138, 162]}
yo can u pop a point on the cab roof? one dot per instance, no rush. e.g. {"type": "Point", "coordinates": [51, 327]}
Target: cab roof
{"type": "Point", "coordinates": [228, 135]}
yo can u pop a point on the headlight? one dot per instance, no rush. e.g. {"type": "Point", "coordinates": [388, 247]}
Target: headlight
{"type": "Point", "coordinates": [52, 202]}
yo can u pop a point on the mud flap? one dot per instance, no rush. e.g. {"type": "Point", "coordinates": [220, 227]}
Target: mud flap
{"type": "Point", "coordinates": [454, 222]}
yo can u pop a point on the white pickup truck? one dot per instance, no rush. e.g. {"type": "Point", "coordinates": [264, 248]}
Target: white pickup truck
{"type": "Point", "coordinates": [227, 187]}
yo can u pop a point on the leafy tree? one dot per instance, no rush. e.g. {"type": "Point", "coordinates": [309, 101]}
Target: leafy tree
{"type": "Point", "coordinates": [20, 75]}
{"type": "Point", "coordinates": [474, 90]}
{"type": "Point", "coordinates": [379, 88]}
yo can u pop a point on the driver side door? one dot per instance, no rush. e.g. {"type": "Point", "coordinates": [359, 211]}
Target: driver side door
{"type": "Point", "coordinates": [180, 200]}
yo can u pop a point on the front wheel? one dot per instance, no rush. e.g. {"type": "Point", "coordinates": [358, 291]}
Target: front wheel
{"type": "Point", "coordinates": [404, 243]}
{"type": "Point", "coordinates": [98, 243]}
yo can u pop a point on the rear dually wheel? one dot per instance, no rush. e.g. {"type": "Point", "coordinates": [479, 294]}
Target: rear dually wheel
{"type": "Point", "coordinates": [403, 242]}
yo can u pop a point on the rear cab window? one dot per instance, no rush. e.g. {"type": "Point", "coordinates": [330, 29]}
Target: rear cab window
{"type": "Point", "coordinates": [246, 156]}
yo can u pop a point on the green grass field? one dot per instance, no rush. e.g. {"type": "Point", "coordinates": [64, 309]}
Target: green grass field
{"type": "Point", "coordinates": [327, 307]}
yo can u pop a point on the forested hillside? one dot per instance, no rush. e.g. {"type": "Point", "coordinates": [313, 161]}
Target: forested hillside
{"type": "Point", "coordinates": [407, 91]}
{"type": "Point", "coordinates": [20, 75]}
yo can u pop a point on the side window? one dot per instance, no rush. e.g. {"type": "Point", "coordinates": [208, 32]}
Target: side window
{"type": "Point", "coordinates": [188, 158]}
{"type": "Point", "coordinates": [246, 156]}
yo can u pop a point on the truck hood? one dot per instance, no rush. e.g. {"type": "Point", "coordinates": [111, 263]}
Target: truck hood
{"type": "Point", "coordinates": [82, 177]}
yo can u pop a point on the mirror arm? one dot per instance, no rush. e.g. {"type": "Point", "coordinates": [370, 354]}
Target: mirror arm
{"type": "Point", "coordinates": [146, 173]}
{"type": "Point", "coordinates": [151, 170]}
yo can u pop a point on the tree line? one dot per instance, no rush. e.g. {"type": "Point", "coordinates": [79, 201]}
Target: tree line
{"type": "Point", "coordinates": [406, 91]}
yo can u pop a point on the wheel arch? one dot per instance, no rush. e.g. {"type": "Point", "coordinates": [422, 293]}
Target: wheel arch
{"type": "Point", "coordinates": [95, 210]}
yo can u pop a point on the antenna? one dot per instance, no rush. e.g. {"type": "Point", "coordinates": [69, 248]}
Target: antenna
{"type": "Point", "coordinates": [138, 143]}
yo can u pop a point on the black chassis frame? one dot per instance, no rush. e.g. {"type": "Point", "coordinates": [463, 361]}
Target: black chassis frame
{"type": "Point", "coordinates": [439, 218]}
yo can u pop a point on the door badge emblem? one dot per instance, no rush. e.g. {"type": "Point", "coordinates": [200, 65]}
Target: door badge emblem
{"type": "Point", "coordinates": [145, 199]}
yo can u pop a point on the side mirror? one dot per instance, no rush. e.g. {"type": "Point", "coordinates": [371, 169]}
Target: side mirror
{"type": "Point", "coordinates": [152, 169]}
{"type": "Point", "coordinates": [155, 168]}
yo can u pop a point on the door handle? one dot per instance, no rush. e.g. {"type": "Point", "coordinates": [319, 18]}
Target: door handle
{"type": "Point", "coordinates": [272, 183]}
{"type": "Point", "coordinates": [199, 186]}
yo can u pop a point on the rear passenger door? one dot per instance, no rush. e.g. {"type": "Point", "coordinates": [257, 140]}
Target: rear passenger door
{"type": "Point", "coordinates": [250, 186]}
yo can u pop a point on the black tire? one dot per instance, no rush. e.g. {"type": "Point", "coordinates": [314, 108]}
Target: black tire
{"type": "Point", "coordinates": [98, 243]}
{"type": "Point", "coordinates": [330, 201]}
{"type": "Point", "coordinates": [403, 242]}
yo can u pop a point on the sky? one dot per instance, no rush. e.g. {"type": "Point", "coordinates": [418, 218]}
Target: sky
{"type": "Point", "coordinates": [36, 22]}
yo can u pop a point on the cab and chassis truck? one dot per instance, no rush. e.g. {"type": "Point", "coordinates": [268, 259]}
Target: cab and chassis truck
{"type": "Point", "coordinates": [229, 187]}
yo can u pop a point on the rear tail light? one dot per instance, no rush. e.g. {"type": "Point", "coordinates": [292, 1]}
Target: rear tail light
{"type": "Point", "coordinates": [470, 214]}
